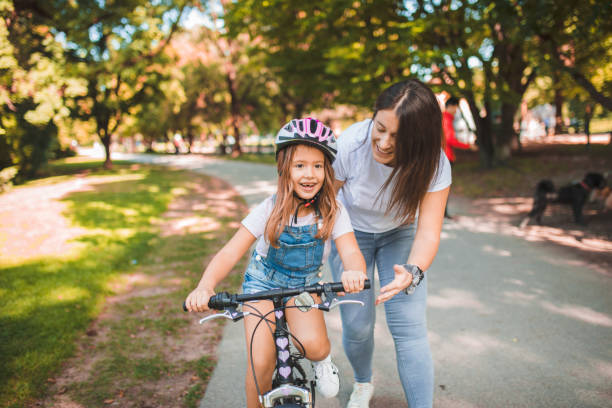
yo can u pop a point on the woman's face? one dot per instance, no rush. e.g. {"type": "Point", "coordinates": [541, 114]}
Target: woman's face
{"type": "Point", "coordinates": [307, 171]}
{"type": "Point", "coordinates": [384, 133]}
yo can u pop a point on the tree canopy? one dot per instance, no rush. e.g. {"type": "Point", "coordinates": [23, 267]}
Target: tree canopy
{"type": "Point", "coordinates": [118, 69]}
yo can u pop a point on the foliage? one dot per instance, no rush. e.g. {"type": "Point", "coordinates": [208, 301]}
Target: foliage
{"type": "Point", "coordinates": [575, 37]}
{"type": "Point", "coordinates": [6, 178]}
{"type": "Point", "coordinates": [34, 87]}
{"type": "Point", "coordinates": [117, 49]}
{"type": "Point", "coordinates": [488, 51]}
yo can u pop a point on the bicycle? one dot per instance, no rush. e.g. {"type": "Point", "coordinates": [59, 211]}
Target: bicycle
{"type": "Point", "coordinates": [290, 386]}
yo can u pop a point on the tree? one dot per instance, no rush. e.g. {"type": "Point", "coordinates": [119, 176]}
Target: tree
{"type": "Point", "coordinates": [34, 89]}
{"type": "Point", "coordinates": [576, 38]}
{"type": "Point", "coordinates": [117, 48]}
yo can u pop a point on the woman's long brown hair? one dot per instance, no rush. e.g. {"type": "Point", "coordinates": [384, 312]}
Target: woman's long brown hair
{"type": "Point", "coordinates": [286, 203]}
{"type": "Point", "coordinates": [418, 145]}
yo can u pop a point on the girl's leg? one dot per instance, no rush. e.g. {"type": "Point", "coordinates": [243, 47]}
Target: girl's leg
{"type": "Point", "coordinates": [263, 352]}
{"type": "Point", "coordinates": [311, 339]}
{"type": "Point", "coordinates": [310, 330]}
{"type": "Point", "coordinates": [358, 321]}
{"type": "Point", "coordinates": [406, 320]}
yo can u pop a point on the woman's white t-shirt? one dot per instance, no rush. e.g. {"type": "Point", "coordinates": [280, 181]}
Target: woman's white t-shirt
{"type": "Point", "coordinates": [256, 221]}
{"type": "Point", "coordinates": [363, 177]}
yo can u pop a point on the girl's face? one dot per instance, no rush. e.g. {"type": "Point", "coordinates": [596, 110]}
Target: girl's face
{"type": "Point", "coordinates": [383, 136]}
{"type": "Point", "coordinates": [307, 171]}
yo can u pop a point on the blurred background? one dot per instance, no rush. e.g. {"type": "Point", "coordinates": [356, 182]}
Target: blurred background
{"type": "Point", "coordinates": [220, 77]}
{"type": "Point", "coordinates": [99, 243]}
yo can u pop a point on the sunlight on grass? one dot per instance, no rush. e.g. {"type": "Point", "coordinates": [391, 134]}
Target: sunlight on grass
{"type": "Point", "coordinates": [63, 294]}
{"type": "Point", "coordinates": [48, 301]}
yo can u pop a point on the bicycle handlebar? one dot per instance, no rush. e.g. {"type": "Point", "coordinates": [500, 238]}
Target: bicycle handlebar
{"type": "Point", "coordinates": [222, 300]}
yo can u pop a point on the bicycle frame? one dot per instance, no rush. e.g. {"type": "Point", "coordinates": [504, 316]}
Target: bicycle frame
{"type": "Point", "coordinates": [284, 383]}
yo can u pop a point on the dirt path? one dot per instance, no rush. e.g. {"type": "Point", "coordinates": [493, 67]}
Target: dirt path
{"type": "Point", "coordinates": [32, 221]}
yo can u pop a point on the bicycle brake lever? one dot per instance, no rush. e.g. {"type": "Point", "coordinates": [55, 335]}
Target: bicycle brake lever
{"type": "Point", "coordinates": [228, 314]}
{"type": "Point", "coordinates": [336, 302]}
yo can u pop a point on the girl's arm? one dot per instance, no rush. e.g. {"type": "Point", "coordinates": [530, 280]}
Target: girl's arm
{"type": "Point", "coordinates": [220, 266]}
{"type": "Point", "coordinates": [426, 242]}
{"type": "Point", "coordinates": [354, 274]}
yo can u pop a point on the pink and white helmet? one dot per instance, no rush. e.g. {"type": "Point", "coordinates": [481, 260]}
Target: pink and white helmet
{"type": "Point", "coordinates": [309, 131]}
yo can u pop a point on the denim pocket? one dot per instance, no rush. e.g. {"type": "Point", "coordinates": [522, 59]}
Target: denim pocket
{"type": "Point", "coordinates": [256, 277]}
{"type": "Point", "coordinates": [294, 257]}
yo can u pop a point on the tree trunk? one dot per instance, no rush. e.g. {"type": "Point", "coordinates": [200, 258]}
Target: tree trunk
{"type": "Point", "coordinates": [559, 125]}
{"type": "Point", "coordinates": [484, 136]}
{"type": "Point", "coordinates": [505, 131]}
{"type": "Point", "coordinates": [234, 110]}
{"type": "Point", "coordinates": [106, 141]}
{"type": "Point", "coordinates": [190, 137]}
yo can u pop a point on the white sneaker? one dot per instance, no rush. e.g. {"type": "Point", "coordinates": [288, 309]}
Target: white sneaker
{"type": "Point", "coordinates": [326, 376]}
{"type": "Point", "coordinates": [361, 395]}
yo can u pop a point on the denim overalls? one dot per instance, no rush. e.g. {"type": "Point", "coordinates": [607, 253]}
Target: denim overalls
{"type": "Point", "coordinates": [296, 262]}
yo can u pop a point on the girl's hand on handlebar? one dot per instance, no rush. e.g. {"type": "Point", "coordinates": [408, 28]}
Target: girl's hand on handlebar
{"type": "Point", "coordinates": [197, 301]}
{"type": "Point", "coordinates": [353, 281]}
{"type": "Point", "coordinates": [400, 282]}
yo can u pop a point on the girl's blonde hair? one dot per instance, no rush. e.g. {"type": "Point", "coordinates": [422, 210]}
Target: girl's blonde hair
{"type": "Point", "coordinates": [286, 202]}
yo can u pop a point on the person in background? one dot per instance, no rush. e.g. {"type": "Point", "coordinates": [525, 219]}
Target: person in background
{"type": "Point", "coordinates": [450, 140]}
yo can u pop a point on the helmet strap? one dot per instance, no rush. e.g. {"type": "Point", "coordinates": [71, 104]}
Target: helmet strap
{"type": "Point", "coordinates": [314, 201]}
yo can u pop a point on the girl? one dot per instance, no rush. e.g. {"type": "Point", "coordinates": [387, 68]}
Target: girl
{"type": "Point", "coordinates": [394, 180]}
{"type": "Point", "coordinates": [293, 230]}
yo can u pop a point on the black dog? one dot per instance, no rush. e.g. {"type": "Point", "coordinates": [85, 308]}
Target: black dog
{"type": "Point", "coordinates": [575, 194]}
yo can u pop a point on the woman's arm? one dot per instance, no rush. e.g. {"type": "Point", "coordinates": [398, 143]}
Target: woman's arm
{"type": "Point", "coordinates": [426, 242]}
{"type": "Point", "coordinates": [220, 266]}
{"type": "Point", "coordinates": [354, 274]}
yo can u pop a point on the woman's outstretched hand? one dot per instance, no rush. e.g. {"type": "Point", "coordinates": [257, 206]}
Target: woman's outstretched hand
{"type": "Point", "coordinates": [197, 301]}
{"type": "Point", "coordinates": [402, 279]}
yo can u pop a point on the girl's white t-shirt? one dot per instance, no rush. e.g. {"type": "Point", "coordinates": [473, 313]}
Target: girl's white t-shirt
{"type": "Point", "coordinates": [363, 177]}
{"type": "Point", "coordinates": [256, 221]}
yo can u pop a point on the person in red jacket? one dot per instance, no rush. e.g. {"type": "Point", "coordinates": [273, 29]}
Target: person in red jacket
{"type": "Point", "coordinates": [450, 141]}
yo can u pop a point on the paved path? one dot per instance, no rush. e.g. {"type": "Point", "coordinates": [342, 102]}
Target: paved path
{"type": "Point", "coordinates": [511, 323]}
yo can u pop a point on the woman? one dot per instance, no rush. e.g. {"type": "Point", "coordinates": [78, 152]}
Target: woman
{"type": "Point", "coordinates": [394, 179]}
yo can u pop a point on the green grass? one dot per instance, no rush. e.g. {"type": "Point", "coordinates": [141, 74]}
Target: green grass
{"type": "Point", "coordinates": [48, 303]}
{"type": "Point", "coordinates": [601, 125]}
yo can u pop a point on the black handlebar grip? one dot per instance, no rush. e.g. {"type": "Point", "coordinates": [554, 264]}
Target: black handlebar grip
{"type": "Point", "coordinates": [185, 307]}
{"type": "Point", "coordinates": [337, 287]}
{"type": "Point", "coordinates": [220, 301]}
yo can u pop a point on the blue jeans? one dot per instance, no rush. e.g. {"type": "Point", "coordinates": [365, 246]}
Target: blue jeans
{"type": "Point", "coordinates": [405, 316]}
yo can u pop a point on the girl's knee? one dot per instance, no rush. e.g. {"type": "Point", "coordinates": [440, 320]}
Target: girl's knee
{"type": "Point", "coordinates": [317, 347]}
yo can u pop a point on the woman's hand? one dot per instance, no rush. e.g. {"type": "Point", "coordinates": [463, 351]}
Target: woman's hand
{"type": "Point", "coordinates": [353, 281]}
{"type": "Point", "coordinates": [402, 280]}
{"type": "Point", "coordinates": [197, 301]}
